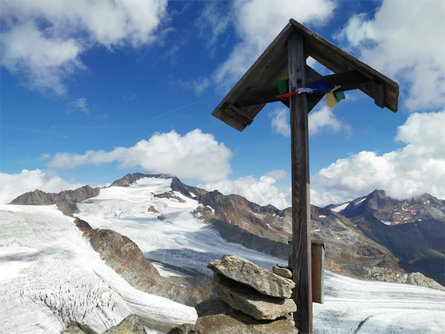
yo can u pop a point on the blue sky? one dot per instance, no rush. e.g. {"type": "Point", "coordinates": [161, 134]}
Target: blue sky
{"type": "Point", "coordinates": [92, 90]}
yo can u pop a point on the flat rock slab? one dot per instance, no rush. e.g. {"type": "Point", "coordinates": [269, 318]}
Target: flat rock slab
{"type": "Point", "coordinates": [282, 271]}
{"type": "Point", "coordinates": [216, 317]}
{"type": "Point", "coordinates": [249, 301]}
{"type": "Point", "coordinates": [248, 273]}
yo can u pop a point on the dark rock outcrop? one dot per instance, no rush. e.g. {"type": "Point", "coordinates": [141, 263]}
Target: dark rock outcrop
{"type": "Point", "coordinates": [152, 209]}
{"type": "Point", "coordinates": [244, 222]}
{"type": "Point", "coordinates": [127, 259]}
{"type": "Point", "coordinates": [169, 195]}
{"type": "Point", "coordinates": [186, 190]}
{"type": "Point", "coordinates": [65, 200]}
{"type": "Point", "coordinates": [82, 224]}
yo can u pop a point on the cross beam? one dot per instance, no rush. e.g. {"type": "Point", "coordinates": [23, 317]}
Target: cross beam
{"type": "Point", "coordinates": [346, 81]}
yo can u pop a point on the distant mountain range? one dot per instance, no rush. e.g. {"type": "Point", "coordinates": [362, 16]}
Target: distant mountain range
{"type": "Point", "coordinates": [371, 237]}
{"type": "Point", "coordinates": [412, 229]}
{"type": "Point", "coordinates": [142, 246]}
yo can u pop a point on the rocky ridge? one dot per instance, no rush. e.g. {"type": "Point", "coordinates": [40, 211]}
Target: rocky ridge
{"type": "Point", "coordinates": [66, 200]}
{"type": "Point", "coordinates": [128, 260]}
{"type": "Point", "coordinates": [412, 230]}
{"type": "Point", "coordinates": [391, 211]}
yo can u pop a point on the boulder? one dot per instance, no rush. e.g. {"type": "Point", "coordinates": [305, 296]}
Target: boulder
{"type": "Point", "coordinates": [152, 209]}
{"type": "Point", "coordinates": [183, 329]}
{"type": "Point", "coordinates": [282, 271]}
{"type": "Point", "coordinates": [250, 274]}
{"type": "Point", "coordinates": [74, 328]}
{"type": "Point", "coordinates": [249, 301]}
{"type": "Point", "coordinates": [421, 280]}
{"type": "Point", "coordinates": [130, 325]}
{"type": "Point", "coordinates": [216, 317]}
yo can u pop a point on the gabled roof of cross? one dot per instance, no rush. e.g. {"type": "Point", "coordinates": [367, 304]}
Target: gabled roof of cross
{"type": "Point", "coordinates": [256, 87]}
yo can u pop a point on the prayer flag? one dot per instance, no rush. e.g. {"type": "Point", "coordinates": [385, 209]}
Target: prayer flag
{"type": "Point", "coordinates": [320, 87]}
{"type": "Point", "coordinates": [339, 95]}
{"type": "Point", "coordinates": [331, 101]}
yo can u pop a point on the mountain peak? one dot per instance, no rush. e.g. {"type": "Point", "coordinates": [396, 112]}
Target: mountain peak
{"type": "Point", "coordinates": [133, 177]}
{"type": "Point", "coordinates": [392, 211]}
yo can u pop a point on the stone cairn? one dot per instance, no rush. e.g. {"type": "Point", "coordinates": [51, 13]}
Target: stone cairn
{"type": "Point", "coordinates": [254, 291]}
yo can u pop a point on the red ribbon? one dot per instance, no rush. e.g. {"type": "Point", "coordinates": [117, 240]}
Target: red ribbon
{"type": "Point", "coordinates": [286, 96]}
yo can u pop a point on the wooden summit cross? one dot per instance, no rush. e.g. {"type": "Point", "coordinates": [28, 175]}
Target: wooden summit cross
{"type": "Point", "coordinates": [286, 56]}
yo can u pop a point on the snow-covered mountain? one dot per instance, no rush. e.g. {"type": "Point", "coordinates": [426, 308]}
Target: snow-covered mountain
{"type": "Point", "coordinates": [50, 275]}
{"type": "Point", "coordinates": [412, 229]}
{"type": "Point", "coordinates": [350, 249]}
{"type": "Point", "coordinates": [391, 211]}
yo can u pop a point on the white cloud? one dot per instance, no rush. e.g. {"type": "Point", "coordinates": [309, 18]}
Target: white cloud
{"type": "Point", "coordinates": [405, 41]}
{"type": "Point", "coordinates": [195, 155]}
{"type": "Point", "coordinates": [198, 85]}
{"type": "Point", "coordinates": [324, 118]}
{"type": "Point", "coordinates": [280, 121]}
{"type": "Point", "coordinates": [319, 120]}
{"type": "Point", "coordinates": [262, 191]}
{"type": "Point", "coordinates": [13, 185]}
{"type": "Point", "coordinates": [44, 40]}
{"type": "Point", "coordinates": [324, 198]}
{"type": "Point", "coordinates": [81, 104]}
{"type": "Point", "coordinates": [213, 22]}
{"type": "Point", "coordinates": [419, 167]}
{"type": "Point", "coordinates": [44, 156]}
{"type": "Point", "coordinates": [257, 22]}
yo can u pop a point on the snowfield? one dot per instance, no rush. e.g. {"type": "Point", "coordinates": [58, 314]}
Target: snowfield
{"type": "Point", "coordinates": [49, 274]}
{"type": "Point", "coordinates": [369, 307]}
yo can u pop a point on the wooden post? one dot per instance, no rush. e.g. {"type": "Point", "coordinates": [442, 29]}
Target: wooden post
{"type": "Point", "coordinates": [317, 271]}
{"type": "Point", "coordinates": [301, 224]}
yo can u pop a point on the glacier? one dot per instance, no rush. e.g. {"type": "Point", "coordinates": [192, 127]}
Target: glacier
{"type": "Point", "coordinates": [49, 274]}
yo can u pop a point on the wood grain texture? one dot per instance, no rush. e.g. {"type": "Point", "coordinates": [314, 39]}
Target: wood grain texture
{"type": "Point", "coordinates": [300, 185]}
